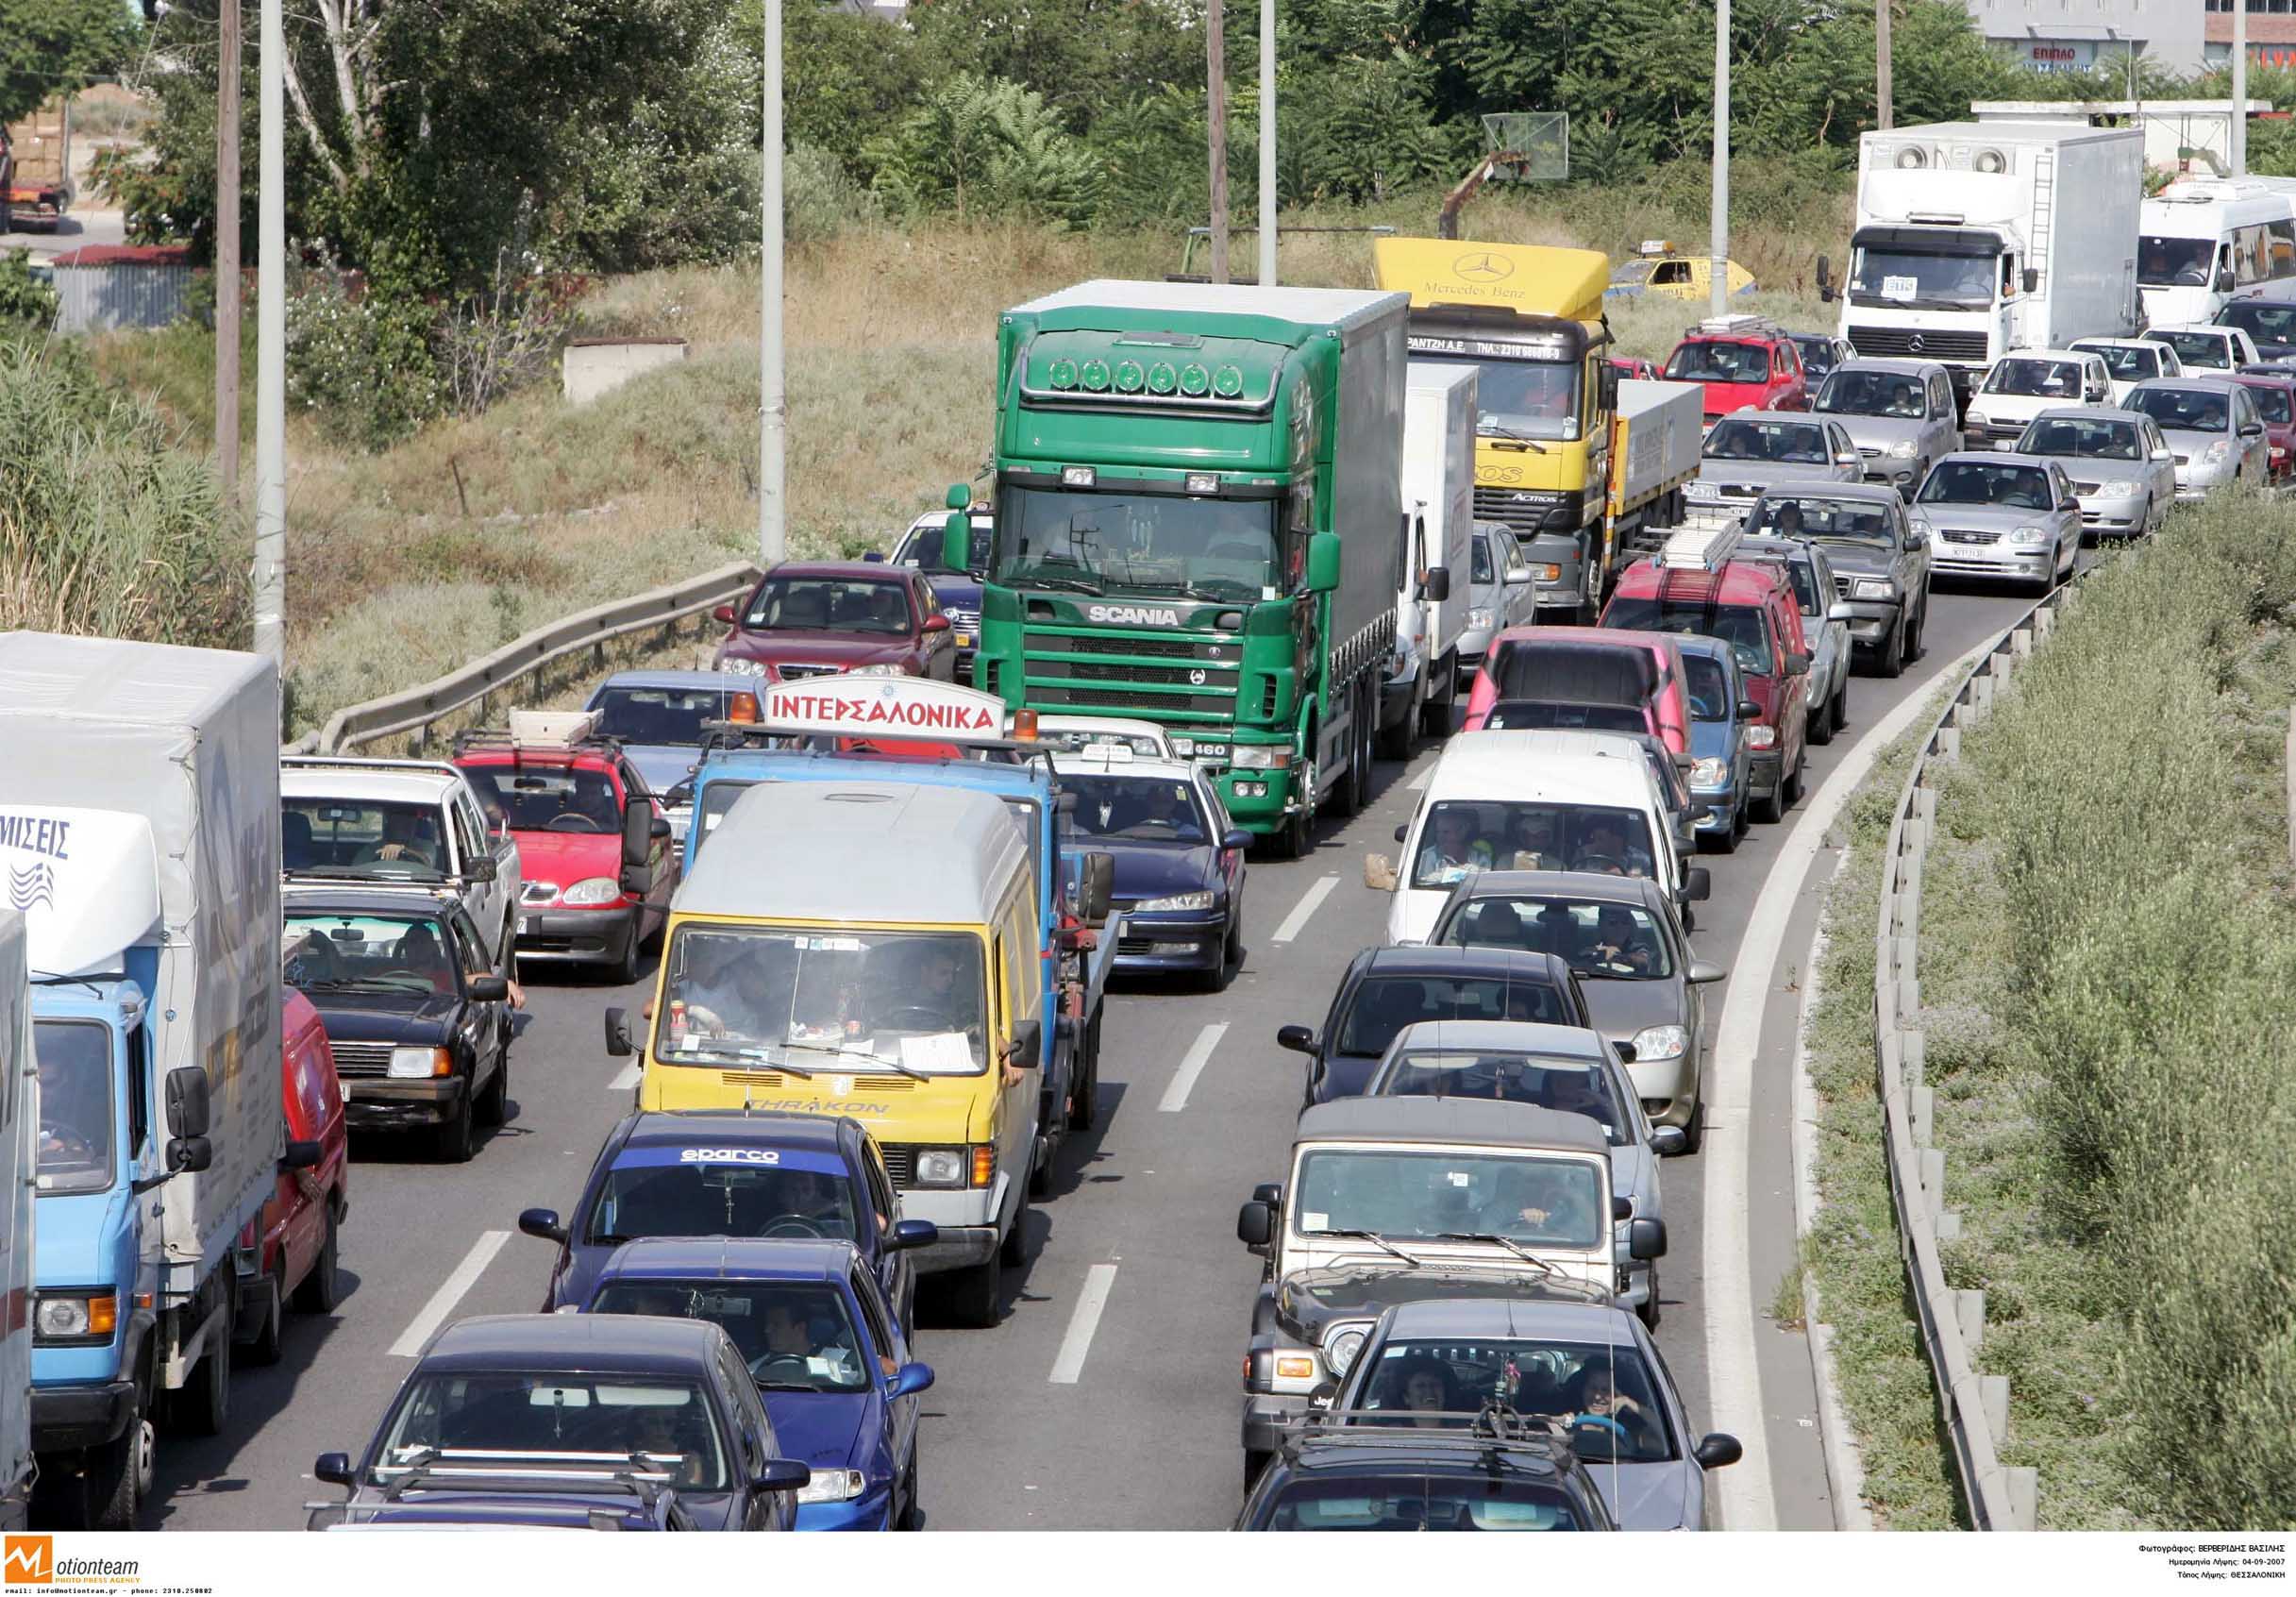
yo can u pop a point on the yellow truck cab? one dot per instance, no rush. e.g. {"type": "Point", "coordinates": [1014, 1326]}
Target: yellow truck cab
{"type": "Point", "coordinates": [871, 949]}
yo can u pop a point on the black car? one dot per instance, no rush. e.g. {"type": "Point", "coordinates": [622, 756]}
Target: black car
{"type": "Point", "coordinates": [1497, 1472]}
{"type": "Point", "coordinates": [1178, 860]}
{"type": "Point", "coordinates": [537, 1396]}
{"type": "Point", "coordinates": [710, 1173]}
{"type": "Point", "coordinates": [417, 1014]}
{"type": "Point", "coordinates": [1387, 989]}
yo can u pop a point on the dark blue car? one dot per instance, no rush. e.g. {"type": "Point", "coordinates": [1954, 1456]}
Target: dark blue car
{"type": "Point", "coordinates": [828, 1357]}
{"type": "Point", "coordinates": [1179, 859]}
{"type": "Point", "coordinates": [1718, 749]}
{"type": "Point", "coordinates": [712, 1174]}
{"type": "Point", "coordinates": [958, 591]}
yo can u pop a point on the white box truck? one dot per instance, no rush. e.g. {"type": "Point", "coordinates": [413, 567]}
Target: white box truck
{"type": "Point", "coordinates": [1421, 683]}
{"type": "Point", "coordinates": [19, 1124]}
{"type": "Point", "coordinates": [1654, 452]}
{"type": "Point", "coordinates": [1974, 239]}
{"type": "Point", "coordinates": [140, 839]}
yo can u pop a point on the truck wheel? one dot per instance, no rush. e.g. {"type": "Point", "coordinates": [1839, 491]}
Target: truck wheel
{"type": "Point", "coordinates": [972, 1294]}
{"type": "Point", "coordinates": [112, 1488]}
{"type": "Point", "coordinates": [1435, 714]}
{"type": "Point", "coordinates": [321, 1289]}
{"type": "Point", "coordinates": [1356, 793]}
{"type": "Point", "coordinates": [453, 1137]}
{"type": "Point", "coordinates": [1083, 1094]}
{"type": "Point", "coordinates": [1590, 591]}
{"type": "Point", "coordinates": [203, 1406]}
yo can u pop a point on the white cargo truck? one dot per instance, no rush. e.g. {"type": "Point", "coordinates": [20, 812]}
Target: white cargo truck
{"type": "Point", "coordinates": [139, 838]}
{"type": "Point", "coordinates": [19, 1122]}
{"type": "Point", "coordinates": [1654, 453]}
{"type": "Point", "coordinates": [1422, 684]}
{"type": "Point", "coordinates": [1974, 239]}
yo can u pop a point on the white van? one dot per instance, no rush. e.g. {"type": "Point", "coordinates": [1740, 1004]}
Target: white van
{"type": "Point", "coordinates": [2023, 384]}
{"type": "Point", "coordinates": [2204, 243]}
{"type": "Point", "coordinates": [1531, 800]}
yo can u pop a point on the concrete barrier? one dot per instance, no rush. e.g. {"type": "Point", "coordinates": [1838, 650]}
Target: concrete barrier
{"type": "Point", "coordinates": [592, 367]}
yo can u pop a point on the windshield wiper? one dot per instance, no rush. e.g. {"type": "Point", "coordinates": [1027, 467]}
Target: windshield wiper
{"type": "Point", "coordinates": [1514, 436]}
{"type": "Point", "coordinates": [754, 1058]}
{"type": "Point", "coordinates": [1508, 1243]}
{"type": "Point", "coordinates": [843, 1052]}
{"type": "Point", "coordinates": [1065, 584]}
{"type": "Point", "coordinates": [1372, 1237]}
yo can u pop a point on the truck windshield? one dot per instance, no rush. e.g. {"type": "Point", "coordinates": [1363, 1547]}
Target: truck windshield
{"type": "Point", "coordinates": [2167, 261]}
{"type": "Point", "coordinates": [1938, 277]}
{"type": "Point", "coordinates": [1527, 1198]}
{"type": "Point", "coordinates": [545, 1416]}
{"type": "Point", "coordinates": [823, 1000]}
{"type": "Point", "coordinates": [1529, 398]}
{"type": "Point", "coordinates": [1873, 394]}
{"type": "Point", "coordinates": [1462, 838]}
{"type": "Point", "coordinates": [1135, 543]}
{"type": "Point", "coordinates": [795, 1336]}
{"type": "Point", "coordinates": [74, 1105]}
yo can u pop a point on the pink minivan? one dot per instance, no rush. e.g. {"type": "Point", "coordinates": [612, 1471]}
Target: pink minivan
{"type": "Point", "coordinates": [1589, 666]}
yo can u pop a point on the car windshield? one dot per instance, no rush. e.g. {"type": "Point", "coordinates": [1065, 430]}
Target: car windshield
{"type": "Point", "coordinates": [828, 604]}
{"type": "Point", "coordinates": [2262, 320]}
{"type": "Point", "coordinates": [384, 842]}
{"type": "Point", "coordinates": [1133, 808]}
{"type": "Point", "coordinates": [2081, 438]}
{"type": "Point", "coordinates": [2044, 379]}
{"type": "Point", "coordinates": [1531, 1199]}
{"type": "Point", "coordinates": [1479, 561]}
{"type": "Point", "coordinates": [921, 546]}
{"type": "Point", "coordinates": [1572, 1087]}
{"type": "Point", "coordinates": [1718, 360]}
{"type": "Point", "coordinates": [1167, 545]}
{"type": "Point", "coordinates": [1916, 279]}
{"type": "Point", "coordinates": [2197, 349]}
{"type": "Point", "coordinates": [1708, 686]}
{"type": "Point", "coordinates": [1408, 1499]}
{"type": "Point", "coordinates": [1981, 482]}
{"type": "Point", "coordinates": [1143, 744]}
{"type": "Point", "coordinates": [812, 999]}
{"type": "Point", "coordinates": [795, 1336]}
{"type": "Point", "coordinates": [2128, 363]}
{"type": "Point", "coordinates": [1873, 394]}
{"type": "Point", "coordinates": [710, 1191]}
{"type": "Point", "coordinates": [2164, 261]}
{"type": "Point", "coordinates": [76, 1118]}
{"type": "Point", "coordinates": [1602, 1393]}
{"type": "Point", "coordinates": [2185, 409]}
{"type": "Point", "coordinates": [1792, 443]}
{"type": "Point", "coordinates": [548, 1416]}
{"type": "Point", "coordinates": [1528, 399]}
{"type": "Point", "coordinates": [2271, 402]}
{"type": "Point", "coordinates": [1813, 515]}
{"type": "Point", "coordinates": [1616, 941]}
{"type": "Point", "coordinates": [1743, 627]}
{"type": "Point", "coordinates": [325, 952]}
{"type": "Point", "coordinates": [1520, 714]}
{"type": "Point", "coordinates": [1383, 1005]}
{"type": "Point", "coordinates": [1804, 582]}
{"type": "Point", "coordinates": [669, 717]}
{"type": "Point", "coordinates": [1463, 837]}
{"type": "Point", "coordinates": [546, 798]}
{"type": "Point", "coordinates": [1817, 355]}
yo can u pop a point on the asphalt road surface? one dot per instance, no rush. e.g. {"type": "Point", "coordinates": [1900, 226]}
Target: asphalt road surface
{"type": "Point", "coordinates": [78, 228]}
{"type": "Point", "coordinates": [1109, 1396]}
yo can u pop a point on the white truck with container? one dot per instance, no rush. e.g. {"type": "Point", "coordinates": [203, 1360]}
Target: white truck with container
{"type": "Point", "coordinates": [19, 1121]}
{"type": "Point", "coordinates": [1654, 455]}
{"type": "Point", "coordinates": [140, 839]}
{"type": "Point", "coordinates": [1975, 239]}
{"type": "Point", "coordinates": [1422, 682]}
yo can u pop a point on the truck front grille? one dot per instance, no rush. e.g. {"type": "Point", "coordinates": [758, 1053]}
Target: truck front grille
{"type": "Point", "coordinates": [1499, 504]}
{"type": "Point", "coordinates": [1919, 344]}
{"type": "Point", "coordinates": [1165, 676]}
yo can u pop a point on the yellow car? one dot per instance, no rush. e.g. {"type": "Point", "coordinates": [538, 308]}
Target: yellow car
{"type": "Point", "coordinates": [1658, 267]}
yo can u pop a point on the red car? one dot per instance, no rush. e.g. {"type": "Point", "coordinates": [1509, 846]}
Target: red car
{"type": "Point", "coordinates": [1743, 363]}
{"type": "Point", "coordinates": [2274, 389]}
{"type": "Point", "coordinates": [594, 842]}
{"type": "Point", "coordinates": [299, 1227]}
{"type": "Point", "coordinates": [1573, 666]}
{"type": "Point", "coordinates": [1635, 366]}
{"type": "Point", "coordinates": [819, 618]}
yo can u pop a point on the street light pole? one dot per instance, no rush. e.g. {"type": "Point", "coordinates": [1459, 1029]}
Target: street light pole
{"type": "Point", "coordinates": [1885, 93]}
{"type": "Point", "coordinates": [2238, 142]}
{"type": "Point", "coordinates": [1267, 143]}
{"type": "Point", "coordinates": [226, 252]}
{"type": "Point", "coordinates": [271, 344]}
{"type": "Point", "coordinates": [1720, 244]}
{"type": "Point", "coordinates": [773, 403]}
{"type": "Point", "coordinates": [1215, 87]}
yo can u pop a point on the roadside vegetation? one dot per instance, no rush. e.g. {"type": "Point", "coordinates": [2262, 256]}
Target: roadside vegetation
{"type": "Point", "coordinates": [2107, 949]}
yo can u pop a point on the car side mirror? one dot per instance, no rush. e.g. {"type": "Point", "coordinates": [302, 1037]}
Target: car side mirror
{"type": "Point", "coordinates": [783, 1474]}
{"type": "Point", "coordinates": [1646, 1239]}
{"type": "Point", "coordinates": [2254, 429]}
{"type": "Point", "coordinates": [1027, 1044]}
{"type": "Point", "coordinates": [1718, 1449]}
{"type": "Point", "coordinates": [1255, 1225]}
{"type": "Point", "coordinates": [332, 1468]}
{"type": "Point", "coordinates": [1300, 1039]}
{"type": "Point", "coordinates": [1916, 539]}
{"type": "Point", "coordinates": [1439, 583]}
{"type": "Point", "coordinates": [1748, 709]}
{"type": "Point", "coordinates": [1703, 972]}
{"type": "Point", "coordinates": [1323, 562]}
{"type": "Point", "coordinates": [489, 989]}
{"type": "Point", "coordinates": [1667, 1141]}
{"type": "Point", "coordinates": [481, 868]}
{"type": "Point", "coordinates": [1517, 575]}
{"type": "Point", "coordinates": [722, 613]}
{"type": "Point", "coordinates": [2164, 454]}
{"type": "Point", "coordinates": [543, 1224]}
{"type": "Point", "coordinates": [618, 1045]}
{"type": "Point", "coordinates": [1698, 884]}
{"type": "Point", "coordinates": [1235, 837]}
{"type": "Point", "coordinates": [1402, 832]}
{"type": "Point", "coordinates": [909, 1380]}
{"type": "Point", "coordinates": [1853, 458]}
{"type": "Point", "coordinates": [1840, 612]}
{"type": "Point", "coordinates": [1095, 882]}
{"type": "Point", "coordinates": [682, 794]}
{"type": "Point", "coordinates": [637, 834]}
{"type": "Point", "coordinates": [934, 624]}
{"type": "Point", "coordinates": [188, 1155]}
{"type": "Point", "coordinates": [1625, 1051]}
{"type": "Point", "coordinates": [302, 1155]}
{"type": "Point", "coordinates": [187, 1101]}
{"type": "Point", "coordinates": [1797, 663]}
{"type": "Point", "coordinates": [908, 1234]}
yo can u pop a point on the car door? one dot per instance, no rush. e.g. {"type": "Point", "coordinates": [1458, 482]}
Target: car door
{"type": "Point", "coordinates": [486, 1020]}
{"type": "Point", "coordinates": [1836, 633]}
{"type": "Point", "coordinates": [2255, 458]}
{"type": "Point", "coordinates": [1518, 601]}
{"type": "Point", "coordinates": [2160, 463]}
{"type": "Point", "coordinates": [897, 1273]}
{"type": "Point", "coordinates": [887, 1342]}
{"type": "Point", "coordinates": [751, 1434]}
{"type": "Point", "coordinates": [1911, 562]}
{"type": "Point", "coordinates": [489, 908]}
{"type": "Point", "coordinates": [2096, 383]}
{"type": "Point", "coordinates": [2068, 511]}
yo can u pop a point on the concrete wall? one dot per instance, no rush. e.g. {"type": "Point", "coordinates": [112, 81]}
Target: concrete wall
{"type": "Point", "coordinates": [593, 366]}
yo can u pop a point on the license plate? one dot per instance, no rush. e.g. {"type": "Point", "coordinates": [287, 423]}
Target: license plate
{"type": "Point", "coordinates": [965, 640]}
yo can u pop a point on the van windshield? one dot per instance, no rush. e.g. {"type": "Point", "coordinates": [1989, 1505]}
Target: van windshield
{"type": "Point", "coordinates": [1462, 838]}
{"type": "Point", "coordinates": [1528, 1199]}
{"type": "Point", "coordinates": [74, 1105]}
{"type": "Point", "coordinates": [809, 999]}
{"type": "Point", "coordinates": [2167, 261]}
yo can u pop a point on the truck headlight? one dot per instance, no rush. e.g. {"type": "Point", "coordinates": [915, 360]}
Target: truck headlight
{"type": "Point", "coordinates": [1708, 773]}
{"type": "Point", "coordinates": [1259, 757]}
{"type": "Point", "coordinates": [1901, 450]}
{"type": "Point", "coordinates": [70, 1316]}
{"type": "Point", "coordinates": [1872, 588]}
{"type": "Point", "coordinates": [409, 1064]}
{"type": "Point", "coordinates": [884, 668]}
{"type": "Point", "coordinates": [1760, 736]}
{"type": "Point", "coordinates": [1479, 619]}
{"type": "Point", "coordinates": [1175, 901]}
{"type": "Point", "coordinates": [833, 1486]}
{"type": "Point", "coordinates": [2029, 538]}
{"type": "Point", "coordinates": [591, 891]}
{"type": "Point", "coordinates": [940, 1167]}
{"type": "Point", "coordinates": [1660, 1042]}
{"type": "Point", "coordinates": [1340, 1348]}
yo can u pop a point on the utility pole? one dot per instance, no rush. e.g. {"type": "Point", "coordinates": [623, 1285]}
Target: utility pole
{"type": "Point", "coordinates": [1215, 86]}
{"type": "Point", "coordinates": [2238, 142]}
{"type": "Point", "coordinates": [271, 344]}
{"type": "Point", "coordinates": [1720, 245]}
{"type": "Point", "coordinates": [773, 403]}
{"type": "Point", "coordinates": [1885, 96]}
{"type": "Point", "coordinates": [1267, 143]}
{"type": "Point", "coordinates": [227, 255]}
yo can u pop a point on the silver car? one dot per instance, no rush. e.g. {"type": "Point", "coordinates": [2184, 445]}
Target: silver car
{"type": "Point", "coordinates": [1563, 1068]}
{"type": "Point", "coordinates": [2123, 471]}
{"type": "Point", "coordinates": [1900, 414]}
{"type": "Point", "coordinates": [2212, 429]}
{"type": "Point", "coordinates": [1749, 450]}
{"type": "Point", "coordinates": [1825, 627]}
{"type": "Point", "coordinates": [1500, 594]}
{"type": "Point", "coordinates": [2002, 516]}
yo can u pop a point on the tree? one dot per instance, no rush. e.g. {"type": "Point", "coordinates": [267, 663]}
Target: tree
{"type": "Point", "coordinates": [986, 146]}
{"type": "Point", "coordinates": [49, 48]}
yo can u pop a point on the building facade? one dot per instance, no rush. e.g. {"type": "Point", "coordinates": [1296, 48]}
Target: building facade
{"type": "Point", "coordinates": [2078, 35]}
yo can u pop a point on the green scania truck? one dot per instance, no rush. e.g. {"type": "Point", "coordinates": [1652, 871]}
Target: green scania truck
{"type": "Point", "coordinates": [1199, 521]}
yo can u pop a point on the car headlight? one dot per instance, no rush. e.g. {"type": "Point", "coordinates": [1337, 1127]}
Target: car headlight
{"type": "Point", "coordinates": [2217, 451]}
{"type": "Point", "coordinates": [1701, 491]}
{"type": "Point", "coordinates": [1340, 1348]}
{"type": "Point", "coordinates": [2028, 537]}
{"type": "Point", "coordinates": [1660, 1042]}
{"type": "Point", "coordinates": [66, 1319]}
{"type": "Point", "coordinates": [833, 1486]}
{"type": "Point", "coordinates": [1760, 736]}
{"type": "Point", "coordinates": [882, 668]}
{"type": "Point", "coordinates": [1175, 901]}
{"type": "Point", "coordinates": [742, 667]}
{"type": "Point", "coordinates": [1479, 618]}
{"type": "Point", "coordinates": [413, 1063]}
{"type": "Point", "coordinates": [1872, 588]}
{"type": "Point", "coordinates": [2121, 490]}
{"type": "Point", "coordinates": [1975, 418]}
{"type": "Point", "coordinates": [940, 1167]}
{"type": "Point", "coordinates": [1259, 757]}
{"type": "Point", "coordinates": [591, 890]}
{"type": "Point", "coordinates": [1901, 450]}
{"type": "Point", "coordinates": [1708, 773]}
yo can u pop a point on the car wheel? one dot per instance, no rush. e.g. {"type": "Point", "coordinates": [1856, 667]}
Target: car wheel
{"type": "Point", "coordinates": [452, 1138]}
{"type": "Point", "coordinates": [321, 1289]}
{"type": "Point", "coordinates": [625, 969]}
{"type": "Point", "coordinates": [1892, 663]}
{"type": "Point", "coordinates": [1770, 809]}
{"type": "Point", "coordinates": [1841, 703]}
{"type": "Point", "coordinates": [495, 1102]}
{"type": "Point", "coordinates": [1694, 1129]}
{"type": "Point", "coordinates": [110, 1491]}
{"type": "Point", "coordinates": [1791, 788]}
{"type": "Point", "coordinates": [1820, 723]}
{"type": "Point", "coordinates": [1726, 841]}
{"type": "Point", "coordinates": [911, 1516]}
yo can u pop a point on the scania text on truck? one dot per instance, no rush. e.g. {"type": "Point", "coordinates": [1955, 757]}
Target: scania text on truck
{"type": "Point", "coordinates": [1431, 594]}
{"type": "Point", "coordinates": [1549, 462]}
{"type": "Point", "coordinates": [1196, 493]}
{"type": "Point", "coordinates": [139, 833]}
{"type": "Point", "coordinates": [1974, 239]}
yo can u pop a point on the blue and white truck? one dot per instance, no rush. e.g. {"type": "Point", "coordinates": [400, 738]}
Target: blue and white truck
{"type": "Point", "coordinates": [140, 839]}
{"type": "Point", "coordinates": [19, 1118]}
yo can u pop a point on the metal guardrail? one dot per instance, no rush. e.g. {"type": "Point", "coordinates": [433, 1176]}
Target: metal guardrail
{"type": "Point", "coordinates": [1976, 1406]}
{"type": "Point", "coordinates": [414, 710]}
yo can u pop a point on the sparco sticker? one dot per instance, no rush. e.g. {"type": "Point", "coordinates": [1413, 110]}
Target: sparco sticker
{"type": "Point", "coordinates": [728, 1156]}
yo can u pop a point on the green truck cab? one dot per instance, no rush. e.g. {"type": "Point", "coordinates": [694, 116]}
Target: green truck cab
{"type": "Point", "coordinates": [1199, 523]}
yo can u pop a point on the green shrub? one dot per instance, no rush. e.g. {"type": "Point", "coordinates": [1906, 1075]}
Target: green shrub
{"type": "Point", "coordinates": [820, 198]}
{"type": "Point", "coordinates": [364, 364]}
{"type": "Point", "coordinates": [22, 297]}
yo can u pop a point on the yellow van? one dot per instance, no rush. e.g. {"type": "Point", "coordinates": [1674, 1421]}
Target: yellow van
{"type": "Point", "coordinates": [868, 949]}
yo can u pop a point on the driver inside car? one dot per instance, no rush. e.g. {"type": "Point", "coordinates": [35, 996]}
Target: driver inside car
{"type": "Point", "coordinates": [1619, 940]}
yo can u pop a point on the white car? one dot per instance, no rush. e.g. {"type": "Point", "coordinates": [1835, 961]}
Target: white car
{"type": "Point", "coordinates": [399, 823]}
{"type": "Point", "coordinates": [2023, 384]}
{"type": "Point", "coordinates": [2207, 346]}
{"type": "Point", "coordinates": [1146, 739]}
{"type": "Point", "coordinates": [2131, 361]}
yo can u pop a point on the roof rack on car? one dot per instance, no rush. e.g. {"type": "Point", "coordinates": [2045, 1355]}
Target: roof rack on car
{"type": "Point", "coordinates": [1477, 1429]}
{"type": "Point", "coordinates": [364, 763]}
{"type": "Point", "coordinates": [643, 1476]}
{"type": "Point", "coordinates": [1743, 324]}
{"type": "Point", "coordinates": [1697, 548]}
{"type": "Point", "coordinates": [555, 732]}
